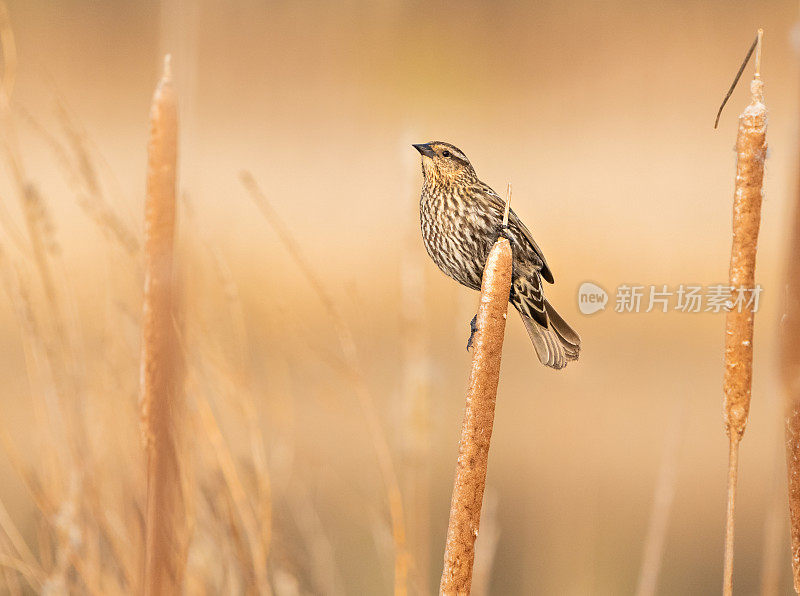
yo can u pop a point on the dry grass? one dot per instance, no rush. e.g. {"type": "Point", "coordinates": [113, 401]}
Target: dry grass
{"type": "Point", "coordinates": [92, 524]}
{"type": "Point", "coordinates": [356, 375]}
{"type": "Point", "coordinates": [92, 511]}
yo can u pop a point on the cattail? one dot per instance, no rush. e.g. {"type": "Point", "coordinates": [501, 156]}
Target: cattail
{"type": "Point", "coordinates": [790, 369]}
{"type": "Point", "coordinates": [476, 432]}
{"type": "Point", "coordinates": [790, 364]}
{"type": "Point", "coordinates": [751, 149]}
{"type": "Point", "coordinates": [160, 372]}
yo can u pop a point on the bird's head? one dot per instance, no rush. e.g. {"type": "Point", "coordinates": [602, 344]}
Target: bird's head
{"type": "Point", "coordinates": [443, 163]}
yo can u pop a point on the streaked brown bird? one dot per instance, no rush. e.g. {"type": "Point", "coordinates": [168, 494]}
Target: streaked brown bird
{"type": "Point", "coordinates": [461, 218]}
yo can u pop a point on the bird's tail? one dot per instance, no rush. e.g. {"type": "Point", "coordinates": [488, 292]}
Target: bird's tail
{"type": "Point", "coordinates": [556, 344]}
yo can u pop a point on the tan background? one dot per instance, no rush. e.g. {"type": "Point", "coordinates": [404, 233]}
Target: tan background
{"type": "Point", "coordinates": [600, 114]}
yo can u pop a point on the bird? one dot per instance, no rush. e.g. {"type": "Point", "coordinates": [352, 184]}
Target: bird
{"type": "Point", "coordinates": [461, 217]}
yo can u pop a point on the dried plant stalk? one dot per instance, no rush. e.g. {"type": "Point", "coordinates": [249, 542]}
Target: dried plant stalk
{"type": "Point", "coordinates": [161, 384]}
{"type": "Point", "coordinates": [476, 432]}
{"type": "Point", "coordinates": [661, 508]}
{"type": "Point", "coordinates": [790, 357]}
{"type": "Point", "coordinates": [791, 379]}
{"type": "Point", "coordinates": [772, 550]}
{"type": "Point", "coordinates": [9, 51]}
{"type": "Point", "coordinates": [790, 373]}
{"type": "Point", "coordinates": [751, 149]}
{"type": "Point", "coordinates": [355, 371]}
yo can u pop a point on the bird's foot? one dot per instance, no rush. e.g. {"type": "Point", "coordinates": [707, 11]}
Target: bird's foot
{"type": "Point", "coordinates": [504, 232]}
{"type": "Point", "coordinates": [473, 327]}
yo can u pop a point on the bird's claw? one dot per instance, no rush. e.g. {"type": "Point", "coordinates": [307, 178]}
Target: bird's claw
{"type": "Point", "coordinates": [505, 232]}
{"type": "Point", "coordinates": [473, 327]}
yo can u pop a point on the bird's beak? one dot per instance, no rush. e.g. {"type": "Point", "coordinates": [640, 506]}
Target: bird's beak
{"type": "Point", "coordinates": [425, 149]}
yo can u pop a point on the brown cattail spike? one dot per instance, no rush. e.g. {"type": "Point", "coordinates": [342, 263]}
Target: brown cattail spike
{"type": "Point", "coordinates": [476, 432]}
{"type": "Point", "coordinates": [751, 151]}
{"type": "Point", "coordinates": [160, 374]}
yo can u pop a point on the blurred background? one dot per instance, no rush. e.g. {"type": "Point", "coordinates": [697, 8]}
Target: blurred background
{"type": "Point", "coordinates": [599, 114]}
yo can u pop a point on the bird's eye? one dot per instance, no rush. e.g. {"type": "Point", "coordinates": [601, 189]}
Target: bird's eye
{"type": "Point", "coordinates": [445, 153]}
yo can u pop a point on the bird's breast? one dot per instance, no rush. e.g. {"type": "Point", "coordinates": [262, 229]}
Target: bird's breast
{"type": "Point", "coordinates": [452, 235]}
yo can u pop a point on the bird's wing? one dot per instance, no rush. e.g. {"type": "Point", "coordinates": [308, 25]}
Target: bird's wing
{"type": "Point", "coordinates": [528, 298]}
{"type": "Point", "coordinates": [516, 225]}
{"type": "Point", "coordinates": [545, 270]}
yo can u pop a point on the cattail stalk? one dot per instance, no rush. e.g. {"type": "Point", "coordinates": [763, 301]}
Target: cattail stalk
{"type": "Point", "coordinates": [160, 374]}
{"type": "Point", "coordinates": [751, 149]}
{"type": "Point", "coordinates": [790, 364]}
{"type": "Point", "coordinates": [476, 432]}
{"type": "Point", "coordinates": [790, 374]}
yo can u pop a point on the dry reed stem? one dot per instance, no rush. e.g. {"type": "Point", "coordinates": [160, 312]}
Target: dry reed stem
{"type": "Point", "coordinates": [120, 544]}
{"type": "Point", "coordinates": [733, 478]}
{"type": "Point", "coordinates": [238, 496]}
{"type": "Point", "coordinates": [46, 408]}
{"type": "Point", "coordinates": [790, 356]}
{"type": "Point", "coordinates": [9, 62]}
{"type": "Point", "coordinates": [92, 199]}
{"type": "Point", "coordinates": [17, 542]}
{"type": "Point", "coordinates": [662, 505]}
{"type": "Point", "coordinates": [751, 148]}
{"type": "Point", "coordinates": [44, 247]}
{"type": "Point", "coordinates": [790, 376]}
{"type": "Point", "coordinates": [41, 357]}
{"type": "Point", "coordinates": [350, 353]}
{"type": "Point", "coordinates": [476, 432]}
{"type": "Point", "coordinates": [11, 581]}
{"type": "Point", "coordinates": [31, 574]}
{"type": "Point", "coordinates": [9, 49]}
{"type": "Point", "coordinates": [58, 350]}
{"type": "Point", "coordinates": [258, 524]}
{"type": "Point", "coordinates": [774, 533]}
{"type": "Point", "coordinates": [161, 385]}
{"type": "Point", "coordinates": [322, 560]}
